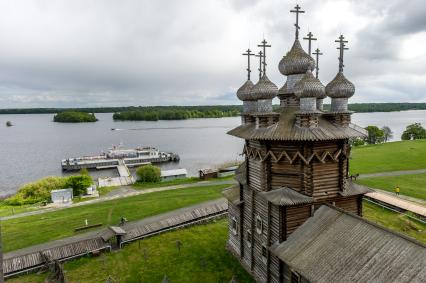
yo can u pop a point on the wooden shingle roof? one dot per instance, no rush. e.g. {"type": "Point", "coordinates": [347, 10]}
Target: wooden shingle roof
{"type": "Point", "coordinates": [286, 129]}
{"type": "Point", "coordinates": [285, 196]}
{"type": "Point", "coordinates": [232, 194]}
{"type": "Point", "coordinates": [336, 246]}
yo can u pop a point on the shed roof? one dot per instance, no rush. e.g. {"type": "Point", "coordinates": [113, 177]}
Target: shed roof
{"type": "Point", "coordinates": [285, 196]}
{"type": "Point", "coordinates": [336, 246]}
{"type": "Point", "coordinates": [173, 172]}
{"type": "Point", "coordinates": [232, 194]}
{"type": "Point", "coordinates": [286, 129]}
{"type": "Point", "coordinates": [241, 174]}
{"type": "Point", "coordinates": [355, 189]}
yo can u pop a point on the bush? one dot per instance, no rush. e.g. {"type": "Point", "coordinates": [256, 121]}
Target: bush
{"type": "Point", "coordinates": [79, 184]}
{"type": "Point", "coordinates": [375, 135]}
{"type": "Point", "coordinates": [414, 132]}
{"type": "Point", "coordinates": [37, 191]}
{"type": "Point", "coordinates": [149, 173]}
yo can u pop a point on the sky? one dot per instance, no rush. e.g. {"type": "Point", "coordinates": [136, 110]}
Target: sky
{"type": "Point", "coordinates": [90, 53]}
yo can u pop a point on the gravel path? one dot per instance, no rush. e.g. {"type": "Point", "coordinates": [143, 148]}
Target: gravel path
{"type": "Point", "coordinates": [392, 173]}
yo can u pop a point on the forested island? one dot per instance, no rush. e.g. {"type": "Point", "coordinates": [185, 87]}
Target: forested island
{"type": "Point", "coordinates": [154, 113]}
{"type": "Point", "coordinates": [177, 113]}
{"type": "Point", "coordinates": [74, 117]}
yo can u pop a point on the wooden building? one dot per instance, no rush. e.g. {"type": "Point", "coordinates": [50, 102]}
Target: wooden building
{"type": "Point", "coordinates": [296, 159]}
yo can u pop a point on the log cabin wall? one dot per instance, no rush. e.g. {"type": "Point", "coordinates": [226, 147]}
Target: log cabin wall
{"type": "Point", "coordinates": [260, 238]}
{"type": "Point", "coordinates": [282, 172]}
{"type": "Point", "coordinates": [256, 168]}
{"type": "Point", "coordinates": [296, 216]}
{"type": "Point", "coordinates": [234, 214]}
{"type": "Point", "coordinates": [274, 265]}
{"type": "Point", "coordinates": [247, 224]}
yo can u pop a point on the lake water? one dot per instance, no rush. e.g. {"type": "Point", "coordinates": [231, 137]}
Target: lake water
{"type": "Point", "coordinates": [34, 147]}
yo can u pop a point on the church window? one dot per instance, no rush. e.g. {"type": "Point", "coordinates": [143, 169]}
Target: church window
{"type": "Point", "coordinates": [248, 238]}
{"type": "Point", "coordinates": [234, 226]}
{"type": "Point", "coordinates": [264, 253]}
{"type": "Point", "coordinates": [259, 225]}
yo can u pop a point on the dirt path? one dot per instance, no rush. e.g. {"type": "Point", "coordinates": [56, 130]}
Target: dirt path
{"type": "Point", "coordinates": [391, 173]}
{"type": "Point", "coordinates": [122, 192]}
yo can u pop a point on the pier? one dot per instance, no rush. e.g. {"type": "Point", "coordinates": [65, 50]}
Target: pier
{"type": "Point", "coordinates": [124, 179]}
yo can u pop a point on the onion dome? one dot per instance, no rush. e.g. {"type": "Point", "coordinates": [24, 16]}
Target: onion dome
{"type": "Point", "coordinates": [340, 87]}
{"type": "Point", "coordinates": [244, 92]}
{"type": "Point", "coordinates": [264, 89]}
{"type": "Point", "coordinates": [296, 61]}
{"type": "Point", "coordinates": [309, 86]}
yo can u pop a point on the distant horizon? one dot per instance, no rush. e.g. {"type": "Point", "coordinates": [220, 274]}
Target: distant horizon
{"type": "Point", "coordinates": [200, 105]}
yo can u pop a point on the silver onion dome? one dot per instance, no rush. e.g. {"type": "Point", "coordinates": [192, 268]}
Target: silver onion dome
{"type": "Point", "coordinates": [244, 92]}
{"type": "Point", "coordinates": [340, 87]}
{"type": "Point", "coordinates": [309, 86]}
{"type": "Point", "coordinates": [264, 89]}
{"type": "Point", "coordinates": [296, 61]}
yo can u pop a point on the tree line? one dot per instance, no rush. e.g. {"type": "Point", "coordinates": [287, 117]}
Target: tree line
{"type": "Point", "coordinates": [235, 109]}
{"type": "Point", "coordinates": [380, 135]}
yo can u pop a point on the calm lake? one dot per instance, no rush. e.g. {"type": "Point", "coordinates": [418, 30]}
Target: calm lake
{"type": "Point", "coordinates": [34, 147]}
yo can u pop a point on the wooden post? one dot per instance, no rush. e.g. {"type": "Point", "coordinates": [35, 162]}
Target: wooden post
{"type": "Point", "coordinates": [1, 258]}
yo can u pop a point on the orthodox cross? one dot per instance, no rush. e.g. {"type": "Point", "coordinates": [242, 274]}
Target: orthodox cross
{"type": "Point", "coordinates": [298, 11]}
{"type": "Point", "coordinates": [317, 53]}
{"type": "Point", "coordinates": [260, 63]}
{"type": "Point", "coordinates": [342, 48]}
{"type": "Point", "coordinates": [309, 38]}
{"type": "Point", "coordinates": [248, 54]}
{"type": "Point", "coordinates": [264, 45]}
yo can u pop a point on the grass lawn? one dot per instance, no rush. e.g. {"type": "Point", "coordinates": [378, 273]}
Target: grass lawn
{"type": "Point", "coordinates": [392, 156]}
{"type": "Point", "coordinates": [202, 258]}
{"type": "Point", "coordinates": [26, 231]}
{"type": "Point", "coordinates": [183, 181]}
{"type": "Point", "coordinates": [410, 185]}
{"type": "Point", "coordinates": [6, 210]}
{"type": "Point", "coordinates": [394, 221]}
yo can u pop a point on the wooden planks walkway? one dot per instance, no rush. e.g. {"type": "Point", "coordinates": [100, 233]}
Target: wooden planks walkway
{"type": "Point", "coordinates": [35, 257]}
{"type": "Point", "coordinates": [398, 202]}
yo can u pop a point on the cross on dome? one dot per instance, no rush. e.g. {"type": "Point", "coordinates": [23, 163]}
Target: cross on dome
{"type": "Point", "coordinates": [342, 47]}
{"type": "Point", "coordinates": [298, 11]}
{"type": "Point", "coordinates": [310, 37]}
{"type": "Point", "coordinates": [260, 55]}
{"type": "Point", "coordinates": [248, 54]}
{"type": "Point", "coordinates": [264, 45]}
{"type": "Point", "coordinates": [317, 53]}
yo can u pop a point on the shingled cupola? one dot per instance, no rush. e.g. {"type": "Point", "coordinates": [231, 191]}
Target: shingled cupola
{"type": "Point", "coordinates": [340, 89]}
{"type": "Point", "coordinates": [308, 89]}
{"type": "Point", "coordinates": [263, 92]}
{"type": "Point", "coordinates": [245, 95]}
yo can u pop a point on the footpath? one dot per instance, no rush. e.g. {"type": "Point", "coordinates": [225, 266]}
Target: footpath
{"type": "Point", "coordinates": [123, 192]}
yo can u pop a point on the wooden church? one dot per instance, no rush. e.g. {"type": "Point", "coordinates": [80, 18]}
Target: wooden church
{"type": "Point", "coordinates": [296, 161]}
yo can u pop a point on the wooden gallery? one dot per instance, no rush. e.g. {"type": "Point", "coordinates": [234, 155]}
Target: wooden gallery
{"type": "Point", "coordinates": [295, 216]}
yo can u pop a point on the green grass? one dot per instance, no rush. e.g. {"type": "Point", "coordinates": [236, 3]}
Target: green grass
{"type": "Point", "coordinates": [411, 185]}
{"type": "Point", "coordinates": [203, 258]}
{"type": "Point", "coordinates": [6, 210]}
{"type": "Point", "coordinates": [150, 259]}
{"type": "Point", "coordinates": [190, 180]}
{"type": "Point", "coordinates": [394, 221]}
{"type": "Point", "coordinates": [393, 156]}
{"type": "Point", "coordinates": [183, 181]}
{"type": "Point", "coordinates": [30, 230]}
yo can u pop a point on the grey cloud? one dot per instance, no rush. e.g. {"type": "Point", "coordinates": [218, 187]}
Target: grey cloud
{"type": "Point", "coordinates": [79, 53]}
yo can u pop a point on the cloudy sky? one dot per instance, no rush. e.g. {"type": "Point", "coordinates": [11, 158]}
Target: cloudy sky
{"type": "Point", "coordinates": [61, 53]}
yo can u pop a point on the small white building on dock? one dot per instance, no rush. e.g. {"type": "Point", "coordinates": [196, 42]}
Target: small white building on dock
{"type": "Point", "coordinates": [61, 196]}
